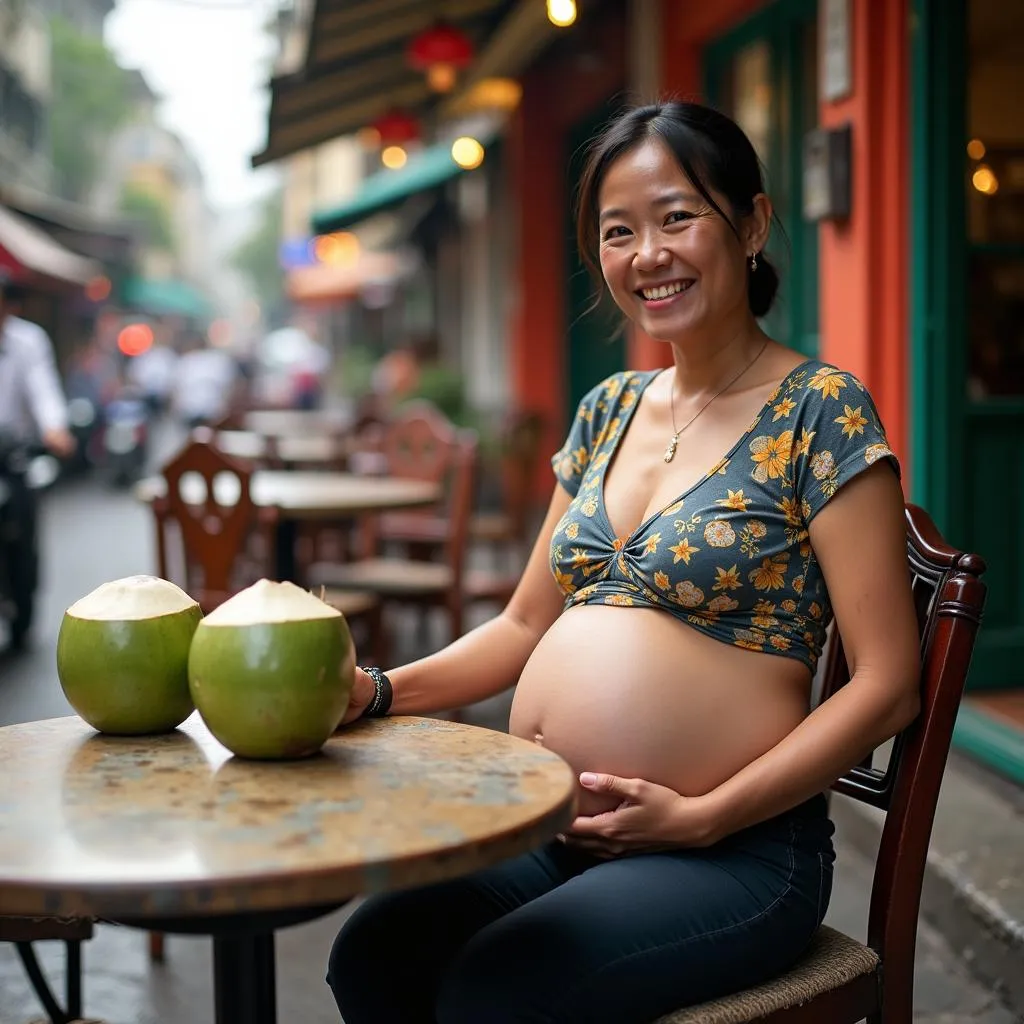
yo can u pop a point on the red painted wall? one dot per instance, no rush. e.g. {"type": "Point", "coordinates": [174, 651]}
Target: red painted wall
{"type": "Point", "coordinates": [557, 92]}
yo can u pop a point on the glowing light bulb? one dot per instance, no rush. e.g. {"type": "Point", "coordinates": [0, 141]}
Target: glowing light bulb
{"type": "Point", "coordinates": [976, 149]}
{"type": "Point", "coordinates": [393, 157]}
{"type": "Point", "coordinates": [441, 77]}
{"type": "Point", "coordinates": [985, 181]}
{"type": "Point", "coordinates": [467, 153]}
{"type": "Point", "coordinates": [561, 13]}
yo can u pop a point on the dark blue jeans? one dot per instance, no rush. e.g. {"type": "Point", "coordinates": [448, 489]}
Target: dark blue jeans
{"type": "Point", "coordinates": [559, 937]}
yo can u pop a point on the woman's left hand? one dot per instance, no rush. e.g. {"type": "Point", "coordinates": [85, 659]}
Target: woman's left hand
{"type": "Point", "coordinates": [649, 818]}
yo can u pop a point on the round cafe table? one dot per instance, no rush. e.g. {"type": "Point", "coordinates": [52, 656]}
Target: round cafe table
{"type": "Point", "coordinates": [171, 833]}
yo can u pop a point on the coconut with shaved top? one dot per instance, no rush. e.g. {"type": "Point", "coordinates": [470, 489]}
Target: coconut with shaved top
{"type": "Point", "coordinates": [271, 671]}
{"type": "Point", "coordinates": [122, 655]}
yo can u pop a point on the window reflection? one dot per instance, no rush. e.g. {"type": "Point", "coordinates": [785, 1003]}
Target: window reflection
{"type": "Point", "coordinates": [994, 183]}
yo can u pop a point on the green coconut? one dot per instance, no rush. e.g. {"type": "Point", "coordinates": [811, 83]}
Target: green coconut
{"type": "Point", "coordinates": [271, 671]}
{"type": "Point", "coordinates": [122, 655]}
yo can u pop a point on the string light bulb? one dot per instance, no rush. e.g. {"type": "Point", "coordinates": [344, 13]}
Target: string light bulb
{"type": "Point", "coordinates": [561, 13]}
{"type": "Point", "coordinates": [467, 153]}
{"type": "Point", "coordinates": [393, 157]}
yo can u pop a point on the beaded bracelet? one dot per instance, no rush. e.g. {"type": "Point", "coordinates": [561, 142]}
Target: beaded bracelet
{"type": "Point", "coordinates": [383, 694]}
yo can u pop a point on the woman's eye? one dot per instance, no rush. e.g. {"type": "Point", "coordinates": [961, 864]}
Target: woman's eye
{"type": "Point", "coordinates": [678, 216]}
{"type": "Point", "coordinates": [617, 231]}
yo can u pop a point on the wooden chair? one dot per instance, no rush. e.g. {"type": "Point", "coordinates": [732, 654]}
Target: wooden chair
{"type": "Point", "coordinates": [508, 529]}
{"type": "Point", "coordinates": [839, 980]}
{"type": "Point", "coordinates": [23, 932]}
{"type": "Point", "coordinates": [208, 503]}
{"type": "Point", "coordinates": [408, 580]}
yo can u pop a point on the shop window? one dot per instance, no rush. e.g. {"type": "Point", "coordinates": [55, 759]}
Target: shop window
{"type": "Point", "coordinates": [994, 183]}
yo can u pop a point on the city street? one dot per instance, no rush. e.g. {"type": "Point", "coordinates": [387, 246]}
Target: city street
{"type": "Point", "coordinates": [92, 534]}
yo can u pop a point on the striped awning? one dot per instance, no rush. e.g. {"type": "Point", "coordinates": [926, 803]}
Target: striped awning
{"type": "Point", "coordinates": [25, 248]}
{"type": "Point", "coordinates": [355, 68]}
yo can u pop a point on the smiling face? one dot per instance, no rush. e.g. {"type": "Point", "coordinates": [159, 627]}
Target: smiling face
{"type": "Point", "coordinates": [672, 263]}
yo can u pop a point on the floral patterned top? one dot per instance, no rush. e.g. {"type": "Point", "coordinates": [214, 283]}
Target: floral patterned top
{"type": "Point", "coordinates": [731, 556]}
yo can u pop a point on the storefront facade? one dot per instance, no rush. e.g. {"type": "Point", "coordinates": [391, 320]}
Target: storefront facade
{"type": "Point", "coordinates": [911, 276]}
{"type": "Point", "coordinates": [919, 290]}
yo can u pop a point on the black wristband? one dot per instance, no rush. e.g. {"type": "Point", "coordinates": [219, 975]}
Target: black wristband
{"type": "Point", "coordinates": [383, 694]}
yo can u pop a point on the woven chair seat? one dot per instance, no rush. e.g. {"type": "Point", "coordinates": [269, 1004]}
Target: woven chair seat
{"type": "Point", "coordinates": [389, 577]}
{"type": "Point", "coordinates": [44, 929]}
{"type": "Point", "coordinates": [831, 961]}
{"type": "Point", "coordinates": [484, 585]}
{"type": "Point", "coordinates": [352, 602]}
{"type": "Point", "coordinates": [491, 527]}
{"type": "Point", "coordinates": [414, 526]}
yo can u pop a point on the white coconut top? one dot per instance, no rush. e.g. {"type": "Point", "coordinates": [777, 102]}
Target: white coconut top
{"type": "Point", "coordinates": [267, 601]}
{"type": "Point", "coordinates": [134, 597]}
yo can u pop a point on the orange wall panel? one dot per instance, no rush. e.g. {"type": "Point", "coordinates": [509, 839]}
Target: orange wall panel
{"type": "Point", "coordinates": [864, 261]}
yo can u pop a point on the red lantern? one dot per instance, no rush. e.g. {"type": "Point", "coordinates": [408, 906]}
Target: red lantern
{"type": "Point", "coordinates": [396, 128]}
{"type": "Point", "coordinates": [440, 51]}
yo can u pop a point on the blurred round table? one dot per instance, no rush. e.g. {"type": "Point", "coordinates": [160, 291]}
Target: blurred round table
{"type": "Point", "coordinates": [302, 495]}
{"type": "Point", "coordinates": [315, 449]}
{"type": "Point", "coordinates": [170, 833]}
{"type": "Point", "coordinates": [295, 422]}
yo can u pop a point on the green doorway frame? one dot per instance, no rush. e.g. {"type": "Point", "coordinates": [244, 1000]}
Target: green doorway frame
{"type": "Point", "coordinates": [939, 351]}
{"type": "Point", "coordinates": [782, 25]}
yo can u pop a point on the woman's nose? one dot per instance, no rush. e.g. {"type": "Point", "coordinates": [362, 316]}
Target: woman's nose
{"type": "Point", "coordinates": [650, 252]}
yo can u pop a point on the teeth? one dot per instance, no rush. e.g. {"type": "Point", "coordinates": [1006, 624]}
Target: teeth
{"type": "Point", "coordinates": [665, 290]}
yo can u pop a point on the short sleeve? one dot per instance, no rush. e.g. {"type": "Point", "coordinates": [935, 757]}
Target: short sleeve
{"type": "Point", "coordinates": [571, 460]}
{"type": "Point", "coordinates": [839, 436]}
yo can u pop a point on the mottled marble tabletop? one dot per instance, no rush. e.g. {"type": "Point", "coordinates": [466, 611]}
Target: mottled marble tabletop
{"type": "Point", "coordinates": [174, 826]}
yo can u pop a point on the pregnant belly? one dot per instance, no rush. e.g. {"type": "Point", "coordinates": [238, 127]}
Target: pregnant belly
{"type": "Point", "coordinates": [636, 693]}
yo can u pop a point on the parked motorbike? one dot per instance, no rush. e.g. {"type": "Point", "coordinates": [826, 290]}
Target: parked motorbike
{"type": "Point", "coordinates": [125, 438]}
{"type": "Point", "coordinates": [25, 469]}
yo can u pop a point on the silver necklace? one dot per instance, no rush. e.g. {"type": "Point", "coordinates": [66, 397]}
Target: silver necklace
{"type": "Point", "coordinates": [670, 451]}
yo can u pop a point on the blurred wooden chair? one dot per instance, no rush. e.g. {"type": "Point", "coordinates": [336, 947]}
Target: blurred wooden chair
{"type": "Point", "coordinates": [507, 529]}
{"type": "Point", "coordinates": [208, 506]}
{"type": "Point", "coordinates": [838, 979]}
{"type": "Point", "coordinates": [23, 932]}
{"type": "Point", "coordinates": [225, 543]}
{"type": "Point", "coordinates": [419, 445]}
{"type": "Point", "coordinates": [505, 532]}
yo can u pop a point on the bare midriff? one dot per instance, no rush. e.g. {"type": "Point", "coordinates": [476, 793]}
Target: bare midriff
{"type": "Point", "coordinates": [637, 693]}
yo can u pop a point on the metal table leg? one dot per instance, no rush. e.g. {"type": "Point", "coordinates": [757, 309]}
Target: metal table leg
{"type": "Point", "coordinates": [245, 990]}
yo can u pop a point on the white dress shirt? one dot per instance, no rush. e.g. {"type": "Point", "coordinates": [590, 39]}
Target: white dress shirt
{"type": "Point", "coordinates": [31, 398]}
{"type": "Point", "coordinates": [203, 383]}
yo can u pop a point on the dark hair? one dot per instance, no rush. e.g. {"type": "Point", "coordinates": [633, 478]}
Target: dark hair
{"type": "Point", "coordinates": [712, 151]}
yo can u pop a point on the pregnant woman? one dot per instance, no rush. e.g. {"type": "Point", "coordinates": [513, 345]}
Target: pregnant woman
{"type": "Point", "coordinates": [707, 523]}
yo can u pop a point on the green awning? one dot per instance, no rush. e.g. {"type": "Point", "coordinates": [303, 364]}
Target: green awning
{"type": "Point", "coordinates": [425, 170]}
{"type": "Point", "coordinates": [165, 298]}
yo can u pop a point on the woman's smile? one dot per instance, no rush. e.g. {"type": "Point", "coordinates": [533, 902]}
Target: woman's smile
{"type": "Point", "coordinates": [662, 296]}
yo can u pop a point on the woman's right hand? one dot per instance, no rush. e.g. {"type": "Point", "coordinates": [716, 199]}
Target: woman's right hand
{"type": "Point", "coordinates": [363, 690]}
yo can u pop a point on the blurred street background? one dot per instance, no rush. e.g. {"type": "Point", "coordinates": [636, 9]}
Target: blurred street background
{"type": "Point", "coordinates": [331, 210]}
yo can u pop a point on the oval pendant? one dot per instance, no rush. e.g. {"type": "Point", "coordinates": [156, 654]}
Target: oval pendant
{"type": "Point", "coordinates": [670, 451]}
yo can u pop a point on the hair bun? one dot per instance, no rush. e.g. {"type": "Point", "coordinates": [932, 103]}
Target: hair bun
{"type": "Point", "coordinates": [762, 286]}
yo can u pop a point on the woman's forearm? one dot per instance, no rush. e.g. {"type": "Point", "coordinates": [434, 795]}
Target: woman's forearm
{"type": "Point", "coordinates": [480, 664]}
{"type": "Point", "coordinates": [834, 737]}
